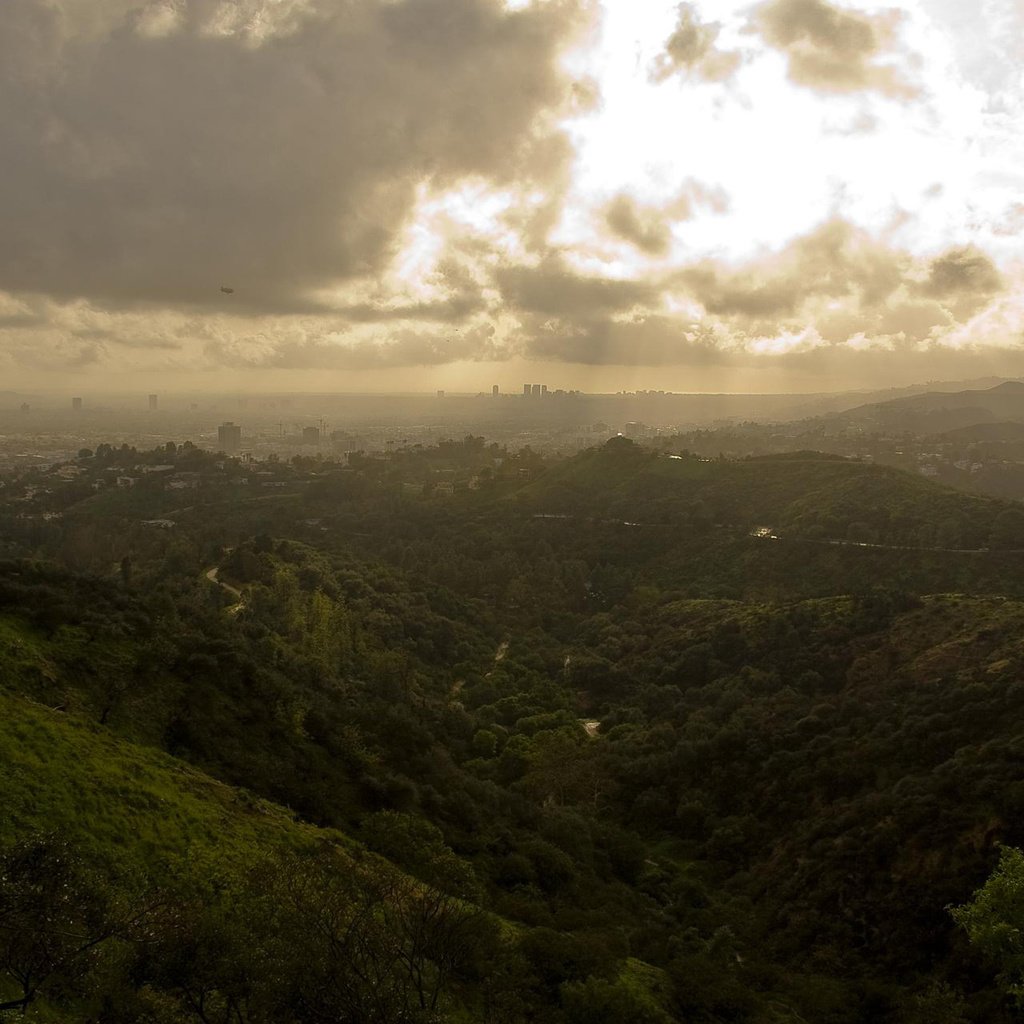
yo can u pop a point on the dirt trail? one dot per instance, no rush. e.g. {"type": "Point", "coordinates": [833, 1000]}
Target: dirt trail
{"type": "Point", "coordinates": [213, 575]}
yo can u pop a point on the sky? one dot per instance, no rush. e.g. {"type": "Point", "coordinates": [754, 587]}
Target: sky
{"type": "Point", "coordinates": [403, 195]}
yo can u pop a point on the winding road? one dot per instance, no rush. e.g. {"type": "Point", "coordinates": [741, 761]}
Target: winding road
{"type": "Point", "coordinates": [213, 575]}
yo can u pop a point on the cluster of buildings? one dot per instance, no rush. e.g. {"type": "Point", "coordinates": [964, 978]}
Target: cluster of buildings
{"type": "Point", "coordinates": [541, 391]}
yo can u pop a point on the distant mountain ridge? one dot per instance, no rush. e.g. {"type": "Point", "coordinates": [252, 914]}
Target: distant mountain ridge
{"type": "Point", "coordinates": [999, 431]}
{"type": "Point", "coordinates": [939, 411]}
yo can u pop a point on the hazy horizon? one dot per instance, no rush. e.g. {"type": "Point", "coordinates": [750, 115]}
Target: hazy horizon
{"type": "Point", "coordinates": [132, 394]}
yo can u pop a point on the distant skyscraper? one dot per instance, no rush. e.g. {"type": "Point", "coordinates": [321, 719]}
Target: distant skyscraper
{"type": "Point", "coordinates": [526, 390]}
{"type": "Point", "coordinates": [494, 391]}
{"type": "Point", "coordinates": [543, 389]}
{"type": "Point", "coordinates": [76, 404]}
{"type": "Point", "coordinates": [535, 390]}
{"type": "Point", "coordinates": [440, 394]}
{"type": "Point", "coordinates": [310, 435]}
{"type": "Point", "coordinates": [152, 402]}
{"type": "Point", "coordinates": [229, 437]}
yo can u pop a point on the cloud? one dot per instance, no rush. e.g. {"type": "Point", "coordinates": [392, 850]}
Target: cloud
{"type": "Point", "coordinates": [964, 278]}
{"type": "Point", "coordinates": [21, 313]}
{"type": "Point", "coordinates": [552, 288]}
{"type": "Point", "coordinates": [843, 283]}
{"type": "Point", "coordinates": [691, 51]}
{"type": "Point", "coordinates": [833, 262]}
{"type": "Point", "coordinates": [645, 340]}
{"type": "Point", "coordinates": [452, 278]}
{"type": "Point", "coordinates": [453, 310]}
{"type": "Point", "coordinates": [568, 316]}
{"type": "Point", "coordinates": [314, 351]}
{"type": "Point", "coordinates": [834, 50]}
{"type": "Point", "coordinates": [649, 233]}
{"type": "Point", "coordinates": [836, 286]}
{"type": "Point", "coordinates": [649, 228]}
{"type": "Point", "coordinates": [56, 353]}
{"type": "Point", "coordinates": [1011, 221]}
{"type": "Point", "coordinates": [175, 147]}
{"type": "Point", "coordinates": [842, 367]}
{"type": "Point", "coordinates": [910, 320]}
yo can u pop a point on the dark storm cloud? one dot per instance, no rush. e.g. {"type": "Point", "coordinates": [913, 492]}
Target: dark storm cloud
{"type": "Point", "coordinates": [554, 289]}
{"type": "Point", "coordinates": [831, 49]}
{"type": "Point", "coordinates": [750, 293]}
{"type": "Point", "coordinates": [568, 316]}
{"type": "Point", "coordinates": [192, 145]}
{"type": "Point", "coordinates": [965, 278]}
{"type": "Point", "coordinates": [691, 50]}
{"type": "Point", "coordinates": [20, 320]}
{"type": "Point", "coordinates": [452, 311]}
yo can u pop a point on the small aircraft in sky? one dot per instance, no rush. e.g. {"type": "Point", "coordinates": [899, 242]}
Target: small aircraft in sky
{"type": "Point", "coordinates": [226, 290]}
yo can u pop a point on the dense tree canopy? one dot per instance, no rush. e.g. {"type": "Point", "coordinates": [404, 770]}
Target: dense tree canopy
{"type": "Point", "coordinates": [633, 736]}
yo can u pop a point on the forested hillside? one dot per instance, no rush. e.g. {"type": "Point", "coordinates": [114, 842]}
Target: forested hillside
{"type": "Point", "coordinates": [942, 411]}
{"type": "Point", "coordinates": [629, 737]}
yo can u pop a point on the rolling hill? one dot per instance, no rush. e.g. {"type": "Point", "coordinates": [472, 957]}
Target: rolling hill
{"type": "Point", "coordinates": [659, 738]}
{"type": "Point", "coordinates": [939, 412]}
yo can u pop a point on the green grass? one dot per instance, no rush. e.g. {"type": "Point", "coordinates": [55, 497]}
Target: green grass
{"type": "Point", "coordinates": [22, 655]}
{"type": "Point", "coordinates": [649, 984]}
{"type": "Point", "coordinates": [63, 669]}
{"type": "Point", "coordinates": [127, 803]}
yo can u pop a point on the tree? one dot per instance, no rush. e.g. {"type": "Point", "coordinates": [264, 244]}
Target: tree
{"type": "Point", "coordinates": [597, 1001]}
{"type": "Point", "coordinates": [485, 743]}
{"type": "Point", "coordinates": [419, 847]}
{"type": "Point", "coordinates": [994, 920]}
{"type": "Point", "coordinates": [860, 533]}
{"type": "Point", "coordinates": [54, 917]}
{"type": "Point", "coordinates": [315, 938]}
{"type": "Point", "coordinates": [1007, 530]}
{"type": "Point", "coordinates": [201, 950]}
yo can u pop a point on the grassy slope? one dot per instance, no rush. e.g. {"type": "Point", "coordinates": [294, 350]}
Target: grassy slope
{"type": "Point", "coordinates": [135, 808]}
{"type": "Point", "coordinates": [59, 770]}
{"type": "Point", "coordinates": [126, 802]}
{"type": "Point", "coordinates": [22, 655]}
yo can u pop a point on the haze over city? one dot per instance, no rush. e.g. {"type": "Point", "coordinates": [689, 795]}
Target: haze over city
{"type": "Point", "coordinates": [288, 195]}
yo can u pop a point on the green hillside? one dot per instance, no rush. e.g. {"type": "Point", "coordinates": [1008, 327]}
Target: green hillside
{"type": "Point", "coordinates": [644, 760]}
{"type": "Point", "coordinates": [796, 492]}
{"type": "Point", "coordinates": [582, 533]}
{"type": "Point", "coordinates": [163, 876]}
{"type": "Point", "coordinates": [141, 818]}
{"type": "Point", "coordinates": [63, 773]}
